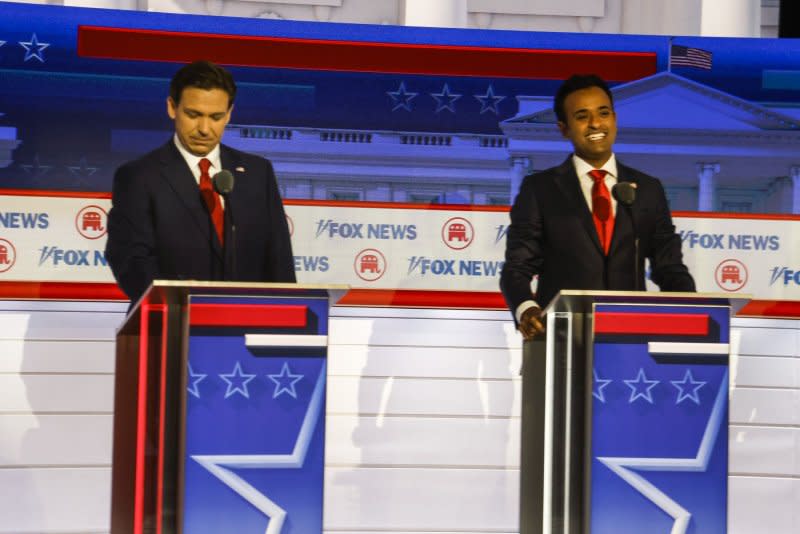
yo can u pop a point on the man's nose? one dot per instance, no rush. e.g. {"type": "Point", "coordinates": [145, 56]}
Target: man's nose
{"type": "Point", "coordinates": [594, 121]}
{"type": "Point", "coordinates": [202, 124]}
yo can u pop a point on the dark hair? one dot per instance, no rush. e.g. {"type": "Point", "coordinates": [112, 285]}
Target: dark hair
{"type": "Point", "coordinates": [202, 75]}
{"type": "Point", "coordinates": [576, 82]}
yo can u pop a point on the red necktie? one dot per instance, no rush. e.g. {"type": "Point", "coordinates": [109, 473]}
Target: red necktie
{"type": "Point", "coordinates": [601, 209]}
{"type": "Point", "coordinates": [212, 200]}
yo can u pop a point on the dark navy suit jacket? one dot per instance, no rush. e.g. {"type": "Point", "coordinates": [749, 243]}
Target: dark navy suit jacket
{"type": "Point", "coordinates": [159, 227]}
{"type": "Point", "coordinates": [552, 234]}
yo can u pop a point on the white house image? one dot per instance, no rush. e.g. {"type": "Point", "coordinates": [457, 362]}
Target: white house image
{"type": "Point", "coordinates": [712, 150]}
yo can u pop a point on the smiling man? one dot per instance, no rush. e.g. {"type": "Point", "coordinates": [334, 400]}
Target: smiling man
{"type": "Point", "coordinates": [566, 226]}
{"type": "Point", "coordinates": [166, 220]}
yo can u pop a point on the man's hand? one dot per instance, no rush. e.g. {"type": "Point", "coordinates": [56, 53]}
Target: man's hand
{"type": "Point", "coordinates": [530, 323]}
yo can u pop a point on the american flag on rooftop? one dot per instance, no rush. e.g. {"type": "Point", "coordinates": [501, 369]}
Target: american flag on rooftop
{"type": "Point", "coordinates": [687, 56]}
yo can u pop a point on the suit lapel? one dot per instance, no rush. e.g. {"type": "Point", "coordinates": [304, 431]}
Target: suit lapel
{"type": "Point", "coordinates": [570, 186]}
{"type": "Point", "coordinates": [177, 174]}
{"type": "Point", "coordinates": [622, 219]}
{"type": "Point", "coordinates": [231, 162]}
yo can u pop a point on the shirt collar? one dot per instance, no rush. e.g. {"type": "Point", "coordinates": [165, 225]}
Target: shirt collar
{"type": "Point", "coordinates": [193, 161]}
{"type": "Point", "coordinates": [582, 168]}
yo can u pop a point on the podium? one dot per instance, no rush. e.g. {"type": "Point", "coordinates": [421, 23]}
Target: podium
{"type": "Point", "coordinates": [625, 415]}
{"type": "Point", "coordinates": [219, 409]}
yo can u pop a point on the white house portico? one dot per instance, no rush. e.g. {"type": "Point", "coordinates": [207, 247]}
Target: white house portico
{"type": "Point", "coordinates": [712, 150]}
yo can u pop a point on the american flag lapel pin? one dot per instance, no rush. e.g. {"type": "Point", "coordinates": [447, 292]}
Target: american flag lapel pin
{"type": "Point", "coordinates": [239, 169]}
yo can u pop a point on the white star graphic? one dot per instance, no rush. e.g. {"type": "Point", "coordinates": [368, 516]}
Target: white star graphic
{"type": "Point", "coordinates": [489, 101]}
{"type": "Point", "coordinates": [36, 168]}
{"type": "Point", "coordinates": [284, 382]}
{"type": "Point", "coordinates": [445, 100]}
{"type": "Point", "coordinates": [195, 379]}
{"type": "Point", "coordinates": [600, 385]}
{"type": "Point", "coordinates": [220, 465]}
{"type": "Point", "coordinates": [623, 466]}
{"type": "Point", "coordinates": [34, 49]}
{"type": "Point", "coordinates": [641, 386]}
{"type": "Point", "coordinates": [401, 98]}
{"type": "Point", "coordinates": [688, 383]}
{"type": "Point", "coordinates": [237, 376]}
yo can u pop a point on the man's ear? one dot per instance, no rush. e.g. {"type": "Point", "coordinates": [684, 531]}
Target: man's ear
{"type": "Point", "coordinates": [171, 108]}
{"type": "Point", "coordinates": [562, 127]}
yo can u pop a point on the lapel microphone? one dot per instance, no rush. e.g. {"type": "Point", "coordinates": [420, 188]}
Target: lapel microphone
{"type": "Point", "coordinates": [223, 184]}
{"type": "Point", "coordinates": [625, 194]}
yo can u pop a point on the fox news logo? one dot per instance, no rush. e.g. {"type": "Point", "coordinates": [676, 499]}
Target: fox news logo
{"type": "Point", "coordinates": [345, 230]}
{"type": "Point", "coordinates": [692, 239]}
{"type": "Point", "coordinates": [502, 232]}
{"type": "Point", "coordinates": [370, 264]}
{"type": "Point", "coordinates": [57, 256]}
{"type": "Point", "coordinates": [314, 264]}
{"type": "Point", "coordinates": [24, 220]}
{"type": "Point", "coordinates": [91, 222]}
{"type": "Point", "coordinates": [8, 255]}
{"type": "Point", "coordinates": [785, 276]}
{"type": "Point", "coordinates": [447, 267]}
{"type": "Point", "coordinates": [457, 233]}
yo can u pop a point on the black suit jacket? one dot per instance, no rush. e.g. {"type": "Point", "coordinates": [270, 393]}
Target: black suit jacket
{"type": "Point", "coordinates": [552, 234]}
{"type": "Point", "coordinates": [159, 227]}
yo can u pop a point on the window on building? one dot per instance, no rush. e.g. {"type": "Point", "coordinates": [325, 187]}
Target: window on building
{"type": "Point", "coordinates": [737, 206]}
{"type": "Point", "coordinates": [345, 195]}
{"type": "Point", "coordinates": [425, 198]}
{"type": "Point", "coordinates": [498, 200]}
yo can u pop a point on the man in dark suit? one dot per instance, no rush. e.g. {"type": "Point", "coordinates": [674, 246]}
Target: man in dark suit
{"type": "Point", "coordinates": [167, 222]}
{"type": "Point", "coordinates": [566, 227]}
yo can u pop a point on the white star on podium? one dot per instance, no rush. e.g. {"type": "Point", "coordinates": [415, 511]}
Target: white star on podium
{"type": "Point", "coordinates": [240, 378]}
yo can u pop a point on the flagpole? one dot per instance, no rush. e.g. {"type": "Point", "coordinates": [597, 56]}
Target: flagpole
{"type": "Point", "coordinates": [669, 53]}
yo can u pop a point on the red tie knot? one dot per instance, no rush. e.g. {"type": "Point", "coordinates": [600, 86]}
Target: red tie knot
{"type": "Point", "coordinates": [598, 175]}
{"type": "Point", "coordinates": [204, 164]}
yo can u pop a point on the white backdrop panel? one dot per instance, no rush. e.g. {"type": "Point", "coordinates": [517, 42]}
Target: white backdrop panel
{"type": "Point", "coordinates": [28, 393]}
{"type": "Point", "coordinates": [55, 500]}
{"type": "Point", "coordinates": [756, 450]}
{"type": "Point", "coordinates": [417, 441]}
{"type": "Point", "coordinates": [47, 356]}
{"type": "Point", "coordinates": [419, 499]}
{"type": "Point", "coordinates": [762, 406]}
{"type": "Point", "coordinates": [30, 440]}
{"type": "Point", "coordinates": [763, 505]}
{"type": "Point", "coordinates": [362, 360]}
{"type": "Point", "coordinates": [423, 396]}
{"type": "Point", "coordinates": [423, 332]}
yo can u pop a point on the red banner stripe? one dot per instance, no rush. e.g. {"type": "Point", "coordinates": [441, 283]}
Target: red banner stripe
{"type": "Point", "coordinates": [423, 299]}
{"type": "Point", "coordinates": [355, 56]}
{"type": "Point", "coordinates": [651, 323]}
{"type": "Point", "coordinates": [789, 309]}
{"type": "Point", "coordinates": [248, 315]}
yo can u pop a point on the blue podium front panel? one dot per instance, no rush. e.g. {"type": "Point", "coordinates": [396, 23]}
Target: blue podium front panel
{"type": "Point", "coordinates": [255, 416]}
{"type": "Point", "coordinates": [659, 444]}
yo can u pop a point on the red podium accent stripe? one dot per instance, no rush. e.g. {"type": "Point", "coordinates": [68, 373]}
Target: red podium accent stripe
{"type": "Point", "coordinates": [651, 323]}
{"type": "Point", "coordinates": [359, 56]}
{"type": "Point", "coordinates": [423, 299]}
{"type": "Point", "coordinates": [60, 291]}
{"type": "Point", "coordinates": [789, 309]}
{"type": "Point", "coordinates": [253, 315]}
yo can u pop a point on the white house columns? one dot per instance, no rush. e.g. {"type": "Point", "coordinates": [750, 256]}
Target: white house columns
{"type": "Point", "coordinates": [705, 190]}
